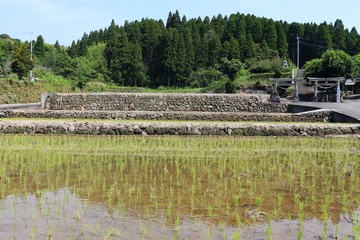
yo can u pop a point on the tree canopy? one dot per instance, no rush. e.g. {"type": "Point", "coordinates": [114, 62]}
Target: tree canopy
{"type": "Point", "coordinates": [152, 53]}
{"type": "Point", "coordinates": [21, 63]}
{"type": "Point", "coordinates": [333, 63]}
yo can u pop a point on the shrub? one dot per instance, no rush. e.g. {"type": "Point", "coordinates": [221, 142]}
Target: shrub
{"type": "Point", "coordinates": [266, 65]}
{"type": "Point", "coordinates": [204, 77]}
{"type": "Point", "coordinates": [230, 87]}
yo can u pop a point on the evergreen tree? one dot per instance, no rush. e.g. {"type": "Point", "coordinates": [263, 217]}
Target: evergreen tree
{"type": "Point", "coordinates": [226, 49]}
{"type": "Point", "coordinates": [57, 46]}
{"type": "Point", "coordinates": [169, 42]}
{"type": "Point", "coordinates": [3, 56]}
{"type": "Point", "coordinates": [243, 46]}
{"type": "Point", "coordinates": [218, 25]}
{"type": "Point", "coordinates": [73, 51]}
{"type": "Point", "coordinates": [295, 29]}
{"type": "Point", "coordinates": [324, 35]}
{"type": "Point", "coordinates": [39, 48]}
{"type": "Point", "coordinates": [230, 28]}
{"type": "Point", "coordinates": [101, 36]}
{"type": "Point", "coordinates": [250, 51]}
{"type": "Point", "coordinates": [204, 26]}
{"type": "Point", "coordinates": [21, 63]}
{"type": "Point", "coordinates": [200, 48]}
{"type": "Point", "coordinates": [282, 41]}
{"type": "Point", "coordinates": [352, 40]}
{"type": "Point", "coordinates": [136, 75]}
{"type": "Point", "coordinates": [339, 35]}
{"type": "Point", "coordinates": [171, 52]}
{"type": "Point", "coordinates": [174, 20]}
{"type": "Point", "coordinates": [93, 38]}
{"type": "Point", "coordinates": [151, 32]}
{"type": "Point", "coordinates": [117, 53]}
{"type": "Point", "coordinates": [256, 30]}
{"type": "Point", "coordinates": [240, 26]}
{"type": "Point", "coordinates": [133, 32]}
{"type": "Point", "coordinates": [213, 44]}
{"type": "Point", "coordinates": [189, 52]}
{"type": "Point", "coordinates": [83, 44]}
{"type": "Point", "coordinates": [181, 70]}
{"type": "Point", "coordinates": [265, 50]}
{"type": "Point", "coordinates": [269, 33]}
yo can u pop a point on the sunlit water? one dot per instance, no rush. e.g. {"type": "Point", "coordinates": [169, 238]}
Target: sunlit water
{"type": "Point", "coordinates": [178, 188]}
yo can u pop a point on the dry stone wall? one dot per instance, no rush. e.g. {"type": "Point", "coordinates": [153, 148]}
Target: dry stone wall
{"type": "Point", "coordinates": [313, 116]}
{"type": "Point", "coordinates": [161, 128]}
{"type": "Point", "coordinates": [163, 102]}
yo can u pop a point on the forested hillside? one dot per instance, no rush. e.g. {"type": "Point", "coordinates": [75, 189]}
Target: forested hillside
{"type": "Point", "coordinates": [181, 52]}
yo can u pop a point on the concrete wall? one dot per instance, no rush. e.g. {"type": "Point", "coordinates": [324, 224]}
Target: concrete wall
{"type": "Point", "coordinates": [20, 106]}
{"type": "Point", "coordinates": [162, 102]}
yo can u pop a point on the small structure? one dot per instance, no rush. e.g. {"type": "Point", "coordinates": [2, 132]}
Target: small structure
{"type": "Point", "coordinates": [327, 84]}
{"type": "Point", "coordinates": [285, 63]}
{"type": "Point", "coordinates": [287, 82]}
{"type": "Point", "coordinates": [356, 87]}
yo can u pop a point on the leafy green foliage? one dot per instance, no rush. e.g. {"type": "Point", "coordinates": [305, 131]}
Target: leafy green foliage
{"type": "Point", "coordinates": [230, 87]}
{"type": "Point", "coordinates": [333, 63]}
{"type": "Point", "coordinates": [204, 77]}
{"type": "Point", "coordinates": [265, 66]}
{"type": "Point", "coordinates": [39, 48]}
{"type": "Point", "coordinates": [21, 63]}
{"type": "Point", "coordinates": [356, 59]}
{"type": "Point", "coordinates": [184, 52]}
{"type": "Point", "coordinates": [231, 67]}
{"type": "Point", "coordinates": [4, 56]}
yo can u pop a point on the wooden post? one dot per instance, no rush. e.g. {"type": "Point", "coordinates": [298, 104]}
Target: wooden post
{"type": "Point", "coordinates": [316, 92]}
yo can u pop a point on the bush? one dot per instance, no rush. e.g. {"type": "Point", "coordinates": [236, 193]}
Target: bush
{"type": "Point", "coordinates": [267, 65]}
{"type": "Point", "coordinates": [230, 87]}
{"type": "Point", "coordinates": [204, 77]}
{"type": "Point", "coordinates": [277, 73]}
{"type": "Point", "coordinates": [289, 91]}
{"type": "Point", "coordinates": [333, 63]}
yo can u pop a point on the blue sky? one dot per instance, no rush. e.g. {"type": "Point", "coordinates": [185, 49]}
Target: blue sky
{"type": "Point", "coordinates": [67, 20]}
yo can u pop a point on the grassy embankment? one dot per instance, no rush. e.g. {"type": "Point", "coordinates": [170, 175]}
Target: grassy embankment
{"type": "Point", "coordinates": [13, 90]}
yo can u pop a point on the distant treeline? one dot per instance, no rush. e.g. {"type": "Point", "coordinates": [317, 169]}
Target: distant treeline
{"type": "Point", "coordinates": [153, 53]}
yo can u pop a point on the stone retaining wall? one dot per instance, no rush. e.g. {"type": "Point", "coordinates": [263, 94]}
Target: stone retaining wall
{"type": "Point", "coordinates": [233, 129]}
{"type": "Point", "coordinates": [313, 116]}
{"type": "Point", "coordinates": [163, 102]}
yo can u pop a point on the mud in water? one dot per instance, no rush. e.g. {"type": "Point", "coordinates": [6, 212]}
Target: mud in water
{"type": "Point", "coordinates": [66, 187]}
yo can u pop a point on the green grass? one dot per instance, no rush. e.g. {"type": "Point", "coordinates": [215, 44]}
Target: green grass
{"type": "Point", "coordinates": [24, 91]}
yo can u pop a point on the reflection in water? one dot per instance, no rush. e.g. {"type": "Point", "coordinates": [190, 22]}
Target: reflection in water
{"type": "Point", "coordinates": [62, 215]}
{"type": "Point", "coordinates": [66, 187]}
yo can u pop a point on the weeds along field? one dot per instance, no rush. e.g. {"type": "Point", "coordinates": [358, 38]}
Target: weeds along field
{"type": "Point", "coordinates": [106, 187]}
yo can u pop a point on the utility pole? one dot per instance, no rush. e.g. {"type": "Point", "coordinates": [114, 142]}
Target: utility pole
{"type": "Point", "coordinates": [31, 58]}
{"type": "Point", "coordinates": [298, 51]}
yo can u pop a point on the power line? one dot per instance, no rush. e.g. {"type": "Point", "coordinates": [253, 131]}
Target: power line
{"type": "Point", "coordinates": [324, 47]}
{"type": "Point", "coordinates": [313, 45]}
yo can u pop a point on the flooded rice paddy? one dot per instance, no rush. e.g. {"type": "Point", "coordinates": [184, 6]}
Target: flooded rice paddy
{"type": "Point", "coordinates": [92, 187]}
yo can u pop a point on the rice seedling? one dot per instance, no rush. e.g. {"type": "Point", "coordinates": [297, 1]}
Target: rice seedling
{"type": "Point", "coordinates": [172, 182]}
